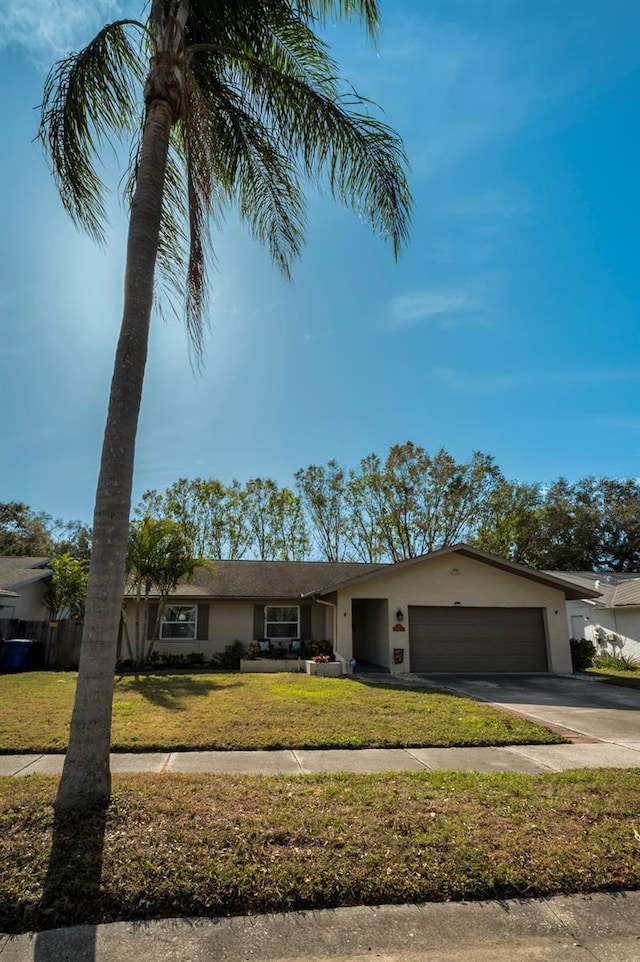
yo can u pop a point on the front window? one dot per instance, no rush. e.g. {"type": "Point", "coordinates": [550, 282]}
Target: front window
{"type": "Point", "coordinates": [178, 621]}
{"type": "Point", "coordinates": [281, 622]}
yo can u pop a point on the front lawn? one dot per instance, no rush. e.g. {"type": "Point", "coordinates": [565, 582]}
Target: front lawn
{"type": "Point", "coordinates": [204, 845]}
{"type": "Point", "coordinates": [625, 677]}
{"type": "Point", "coordinates": [234, 711]}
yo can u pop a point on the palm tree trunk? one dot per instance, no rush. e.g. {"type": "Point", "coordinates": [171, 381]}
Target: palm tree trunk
{"type": "Point", "coordinates": [86, 778]}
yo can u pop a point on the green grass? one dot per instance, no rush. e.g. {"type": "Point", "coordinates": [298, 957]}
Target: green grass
{"type": "Point", "coordinates": [626, 678]}
{"type": "Point", "coordinates": [185, 845]}
{"type": "Point", "coordinates": [234, 711]}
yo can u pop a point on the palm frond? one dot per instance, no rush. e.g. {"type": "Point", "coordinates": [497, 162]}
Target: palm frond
{"type": "Point", "coordinates": [88, 97]}
{"type": "Point", "coordinates": [229, 156]}
{"type": "Point", "coordinates": [250, 166]}
{"type": "Point", "coordinates": [225, 19]}
{"type": "Point", "coordinates": [319, 131]}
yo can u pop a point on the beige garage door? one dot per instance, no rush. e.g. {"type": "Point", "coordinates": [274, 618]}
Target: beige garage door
{"type": "Point", "coordinates": [477, 639]}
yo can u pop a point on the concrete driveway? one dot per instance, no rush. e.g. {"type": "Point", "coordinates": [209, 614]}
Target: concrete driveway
{"type": "Point", "coordinates": [595, 709]}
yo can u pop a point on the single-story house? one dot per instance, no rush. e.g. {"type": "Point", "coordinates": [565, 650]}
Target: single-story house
{"type": "Point", "coordinates": [456, 609]}
{"type": "Point", "coordinates": [23, 583]}
{"type": "Point", "coordinates": [612, 619]}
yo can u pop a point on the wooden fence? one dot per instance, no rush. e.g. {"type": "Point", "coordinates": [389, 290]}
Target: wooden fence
{"type": "Point", "coordinates": [60, 640]}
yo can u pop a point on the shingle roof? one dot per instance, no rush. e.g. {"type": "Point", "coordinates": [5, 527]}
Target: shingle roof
{"type": "Point", "coordinates": [16, 571]}
{"type": "Point", "coordinates": [293, 579]}
{"type": "Point", "coordinates": [617, 588]}
{"type": "Point", "coordinates": [268, 579]}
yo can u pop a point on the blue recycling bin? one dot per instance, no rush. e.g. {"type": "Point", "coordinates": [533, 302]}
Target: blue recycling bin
{"type": "Point", "coordinates": [16, 654]}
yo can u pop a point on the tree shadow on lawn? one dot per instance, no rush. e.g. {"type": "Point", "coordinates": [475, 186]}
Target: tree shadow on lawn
{"type": "Point", "coordinates": [72, 887]}
{"type": "Point", "coordinates": [170, 691]}
{"type": "Point", "coordinates": [427, 688]}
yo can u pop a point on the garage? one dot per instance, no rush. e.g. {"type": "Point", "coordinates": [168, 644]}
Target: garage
{"type": "Point", "coordinates": [477, 639]}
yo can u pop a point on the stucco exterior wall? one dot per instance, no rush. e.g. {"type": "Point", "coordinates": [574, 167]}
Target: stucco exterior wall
{"type": "Point", "coordinates": [229, 621]}
{"type": "Point", "coordinates": [29, 606]}
{"type": "Point", "coordinates": [445, 580]}
{"type": "Point", "coordinates": [600, 624]}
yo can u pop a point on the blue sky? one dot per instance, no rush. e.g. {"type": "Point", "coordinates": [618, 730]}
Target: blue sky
{"type": "Point", "coordinates": [509, 325]}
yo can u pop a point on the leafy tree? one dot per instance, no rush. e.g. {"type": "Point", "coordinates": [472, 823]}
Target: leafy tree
{"type": "Point", "coordinates": [571, 526]}
{"type": "Point", "coordinates": [151, 505]}
{"type": "Point", "coordinates": [413, 503]}
{"type": "Point", "coordinates": [67, 590]}
{"type": "Point", "coordinates": [159, 557]}
{"type": "Point", "coordinates": [275, 521]}
{"type": "Point", "coordinates": [363, 529]}
{"type": "Point", "coordinates": [241, 104]}
{"type": "Point", "coordinates": [323, 495]}
{"type": "Point", "coordinates": [211, 515]}
{"type": "Point", "coordinates": [72, 537]}
{"type": "Point", "coordinates": [620, 528]}
{"type": "Point", "coordinates": [511, 523]}
{"type": "Point", "coordinates": [24, 531]}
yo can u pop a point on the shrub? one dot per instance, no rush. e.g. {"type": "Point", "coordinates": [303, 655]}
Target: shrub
{"type": "Point", "coordinates": [621, 662]}
{"type": "Point", "coordinates": [322, 648]}
{"type": "Point", "coordinates": [195, 658]}
{"type": "Point", "coordinates": [170, 660]}
{"type": "Point", "coordinates": [230, 658]}
{"type": "Point", "coordinates": [583, 652]}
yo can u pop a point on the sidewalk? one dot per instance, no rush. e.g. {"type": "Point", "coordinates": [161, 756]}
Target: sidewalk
{"type": "Point", "coordinates": [574, 928]}
{"type": "Point", "coordinates": [528, 759]}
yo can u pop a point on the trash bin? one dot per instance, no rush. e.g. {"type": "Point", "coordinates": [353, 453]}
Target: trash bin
{"type": "Point", "coordinates": [16, 654]}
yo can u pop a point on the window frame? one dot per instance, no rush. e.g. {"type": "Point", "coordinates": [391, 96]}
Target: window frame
{"type": "Point", "coordinates": [177, 621]}
{"type": "Point", "coordinates": [274, 621]}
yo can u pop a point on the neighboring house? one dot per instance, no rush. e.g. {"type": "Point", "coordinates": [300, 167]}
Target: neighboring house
{"type": "Point", "coordinates": [457, 609]}
{"type": "Point", "coordinates": [611, 620]}
{"type": "Point", "coordinates": [23, 583]}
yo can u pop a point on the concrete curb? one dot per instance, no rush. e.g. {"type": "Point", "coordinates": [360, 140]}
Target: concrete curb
{"type": "Point", "coordinates": [575, 928]}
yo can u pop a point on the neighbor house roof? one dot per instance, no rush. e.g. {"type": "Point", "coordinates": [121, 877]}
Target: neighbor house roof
{"type": "Point", "coordinates": [615, 588]}
{"type": "Point", "coordinates": [5, 593]}
{"type": "Point", "coordinates": [268, 579]}
{"type": "Point", "coordinates": [16, 571]}
{"type": "Point", "coordinates": [570, 589]}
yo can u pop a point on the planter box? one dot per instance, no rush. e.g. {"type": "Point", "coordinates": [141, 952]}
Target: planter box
{"type": "Point", "coordinates": [270, 664]}
{"type": "Point", "coordinates": [326, 669]}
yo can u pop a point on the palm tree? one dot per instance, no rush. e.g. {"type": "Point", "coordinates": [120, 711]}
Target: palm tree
{"type": "Point", "coordinates": [159, 557]}
{"type": "Point", "coordinates": [242, 104]}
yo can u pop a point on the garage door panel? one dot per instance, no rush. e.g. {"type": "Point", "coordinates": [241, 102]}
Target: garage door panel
{"type": "Point", "coordinates": [477, 639]}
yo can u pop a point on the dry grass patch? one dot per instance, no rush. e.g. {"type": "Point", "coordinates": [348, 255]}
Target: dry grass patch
{"type": "Point", "coordinates": [234, 711]}
{"type": "Point", "coordinates": [209, 845]}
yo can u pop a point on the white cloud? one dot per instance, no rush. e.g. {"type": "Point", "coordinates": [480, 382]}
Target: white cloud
{"type": "Point", "coordinates": [50, 29]}
{"type": "Point", "coordinates": [445, 307]}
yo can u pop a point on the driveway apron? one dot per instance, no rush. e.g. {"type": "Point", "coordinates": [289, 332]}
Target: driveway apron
{"type": "Point", "coordinates": [604, 712]}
